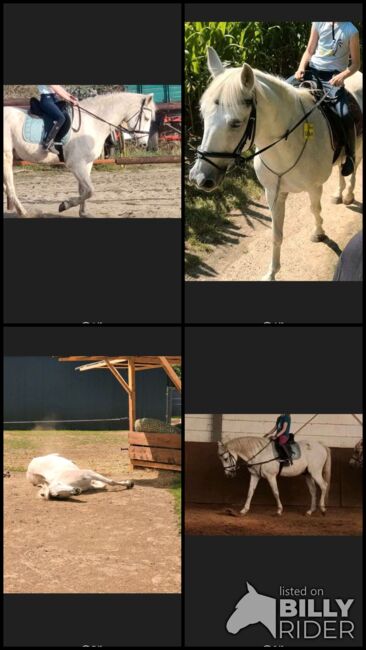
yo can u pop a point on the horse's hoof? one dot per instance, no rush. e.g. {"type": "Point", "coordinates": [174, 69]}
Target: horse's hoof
{"type": "Point", "coordinates": [349, 200]}
{"type": "Point", "coordinates": [269, 277]}
{"type": "Point", "coordinates": [130, 485]}
{"type": "Point", "coordinates": [318, 237]}
{"type": "Point", "coordinates": [308, 513]}
{"type": "Point", "coordinates": [324, 512]}
{"type": "Point", "coordinates": [62, 207]}
{"type": "Point", "coordinates": [336, 200]}
{"type": "Point", "coordinates": [279, 513]}
{"type": "Point", "coordinates": [232, 513]}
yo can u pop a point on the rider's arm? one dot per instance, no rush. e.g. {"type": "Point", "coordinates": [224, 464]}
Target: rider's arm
{"type": "Point", "coordinates": [354, 47]}
{"type": "Point", "coordinates": [310, 49]}
{"type": "Point", "coordinates": [284, 427]}
{"type": "Point", "coordinates": [61, 92]}
{"type": "Point", "coordinates": [271, 431]}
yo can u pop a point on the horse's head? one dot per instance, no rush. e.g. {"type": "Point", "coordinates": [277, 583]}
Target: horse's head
{"type": "Point", "coordinates": [228, 460]}
{"type": "Point", "coordinates": [253, 608]}
{"type": "Point", "coordinates": [58, 490]}
{"type": "Point", "coordinates": [226, 107]}
{"type": "Point", "coordinates": [140, 123]}
{"type": "Point", "coordinates": [357, 456]}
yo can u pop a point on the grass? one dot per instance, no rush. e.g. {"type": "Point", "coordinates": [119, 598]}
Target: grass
{"type": "Point", "coordinates": [208, 222]}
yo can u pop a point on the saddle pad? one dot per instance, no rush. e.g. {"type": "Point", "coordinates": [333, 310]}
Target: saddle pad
{"type": "Point", "coordinates": [34, 130]}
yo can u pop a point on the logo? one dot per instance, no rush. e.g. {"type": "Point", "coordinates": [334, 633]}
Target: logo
{"type": "Point", "coordinates": [302, 617]}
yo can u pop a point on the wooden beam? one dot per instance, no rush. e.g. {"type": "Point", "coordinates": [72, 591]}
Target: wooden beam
{"type": "Point", "coordinates": [153, 465]}
{"type": "Point", "coordinates": [132, 394]}
{"type": "Point", "coordinates": [171, 373]}
{"type": "Point", "coordinates": [119, 378]}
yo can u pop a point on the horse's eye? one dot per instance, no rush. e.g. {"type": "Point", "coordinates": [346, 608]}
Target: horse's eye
{"type": "Point", "coordinates": [234, 124]}
{"type": "Point", "coordinates": [216, 102]}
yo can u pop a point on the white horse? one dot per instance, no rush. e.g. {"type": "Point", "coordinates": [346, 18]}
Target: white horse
{"type": "Point", "coordinates": [299, 163]}
{"type": "Point", "coordinates": [59, 477]}
{"type": "Point", "coordinates": [260, 457]}
{"type": "Point", "coordinates": [84, 145]}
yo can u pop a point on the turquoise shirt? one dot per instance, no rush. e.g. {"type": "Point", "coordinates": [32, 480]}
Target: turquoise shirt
{"type": "Point", "coordinates": [281, 420]}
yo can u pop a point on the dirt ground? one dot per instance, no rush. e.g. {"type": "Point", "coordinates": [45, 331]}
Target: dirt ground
{"type": "Point", "coordinates": [216, 519]}
{"type": "Point", "coordinates": [247, 255]}
{"type": "Point", "coordinates": [133, 191]}
{"type": "Point", "coordinates": [112, 541]}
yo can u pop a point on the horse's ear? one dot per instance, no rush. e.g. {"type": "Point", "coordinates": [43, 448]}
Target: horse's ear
{"type": "Point", "coordinates": [247, 77]}
{"type": "Point", "coordinates": [213, 62]}
{"type": "Point", "coordinates": [251, 589]}
{"type": "Point", "coordinates": [149, 99]}
{"type": "Point", "coordinates": [220, 445]}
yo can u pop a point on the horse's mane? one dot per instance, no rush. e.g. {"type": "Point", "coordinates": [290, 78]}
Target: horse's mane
{"type": "Point", "coordinates": [97, 101]}
{"type": "Point", "coordinates": [252, 444]}
{"type": "Point", "coordinates": [226, 88]}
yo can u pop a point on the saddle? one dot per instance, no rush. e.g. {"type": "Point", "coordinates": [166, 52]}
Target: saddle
{"type": "Point", "coordinates": [292, 446]}
{"type": "Point", "coordinates": [333, 120]}
{"type": "Point", "coordinates": [37, 124]}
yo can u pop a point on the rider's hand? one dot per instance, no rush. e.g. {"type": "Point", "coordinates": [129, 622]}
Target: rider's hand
{"type": "Point", "coordinates": [73, 100]}
{"type": "Point", "coordinates": [337, 80]}
{"type": "Point", "coordinates": [299, 74]}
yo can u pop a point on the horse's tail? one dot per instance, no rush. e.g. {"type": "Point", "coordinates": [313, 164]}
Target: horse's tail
{"type": "Point", "coordinates": [327, 470]}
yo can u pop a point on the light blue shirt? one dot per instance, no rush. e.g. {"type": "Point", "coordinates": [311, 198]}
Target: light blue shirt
{"type": "Point", "coordinates": [45, 90]}
{"type": "Point", "coordinates": [333, 54]}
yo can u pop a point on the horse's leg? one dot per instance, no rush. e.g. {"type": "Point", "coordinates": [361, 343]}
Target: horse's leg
{"type": "Point", "coordinates": [337, 197]}
{"type": "Point", "coordinates": [323, 489]}
{"type": "Point", "coordinates": [11, 197]}
{"type": "Point", "coordinates": [82, 210]}
{"type": "Point", "coordinates": [274, 487]}
{"type": "Point", "coordinates": [278, 215]}
{"type": "Point", "coordinates": [82, 175]}
{"type": "Point", "coordinates": [349, 196]}
{"type": "Point", "coordinates": [252, 485]}
{"type": "Point", "coordinates": [315, 195]}
{"type": "Point", "coordinates": [312, 489]}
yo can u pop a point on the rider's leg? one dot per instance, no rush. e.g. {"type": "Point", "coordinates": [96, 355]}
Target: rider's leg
{"type": "Point", "coordinates": [50, 108]}
{"type": "Point", "coordinates": [349, 134]}
{"type": "Point", "coordinates": [285, 449]}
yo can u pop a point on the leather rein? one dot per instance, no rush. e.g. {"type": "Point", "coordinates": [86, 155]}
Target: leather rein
{"type": "Point", "coordinates": [121, 129]}
{"type": "Point", "coordinates": [249, 134]}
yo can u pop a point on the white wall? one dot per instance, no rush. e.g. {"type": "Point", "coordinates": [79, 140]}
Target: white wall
{"type": "Point", "coordinates": [198, 428]}
{"type": "Point", "coordinates": [335, 430]}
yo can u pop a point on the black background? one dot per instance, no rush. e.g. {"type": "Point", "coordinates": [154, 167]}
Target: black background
{"type": "Point", "coordinates": [273, 369]}
{"type": "Point", "coordinates": [217, 569]}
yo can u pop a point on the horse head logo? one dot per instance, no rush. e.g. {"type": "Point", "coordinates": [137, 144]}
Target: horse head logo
{"type": "Point", "coordinates": [253, 608]}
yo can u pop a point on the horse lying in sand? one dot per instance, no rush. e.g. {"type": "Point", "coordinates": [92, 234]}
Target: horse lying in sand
{"type": "Point", "coordinates": [59, 477]}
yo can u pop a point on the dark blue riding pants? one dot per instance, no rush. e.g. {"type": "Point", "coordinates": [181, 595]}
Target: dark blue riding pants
{"type": "Point", "coordinates": [49, 107]}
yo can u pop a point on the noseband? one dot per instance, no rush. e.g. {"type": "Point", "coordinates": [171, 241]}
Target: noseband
{"type": "Point", "coordinates": [249, 134]}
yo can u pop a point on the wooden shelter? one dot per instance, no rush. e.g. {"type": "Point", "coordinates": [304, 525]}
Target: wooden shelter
{"type": "Point", "coordinates": [158, 450]}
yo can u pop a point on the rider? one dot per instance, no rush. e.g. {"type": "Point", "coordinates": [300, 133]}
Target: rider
{"type": "Point", "coordinates": [332, 55]}
{"type": "Point", "coordinates": [49, 96]}
{"type": "Point", "coordinates": [281, 433]}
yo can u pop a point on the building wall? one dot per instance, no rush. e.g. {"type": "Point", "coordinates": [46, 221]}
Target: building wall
{"type": "Point", "coordinates": [335, 430]}
{"type": "Point", "coordinates": [41, 388]}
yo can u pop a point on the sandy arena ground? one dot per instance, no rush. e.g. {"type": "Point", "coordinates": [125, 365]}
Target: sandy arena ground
{"type": "Point", "coordinates": [248, 255]}
{"type": "Point", "coordinates": [112, 541]}
{"type": "Point", "coordinates": [216, 519]}
{"type": "Point", "coordinates": [133, 191]}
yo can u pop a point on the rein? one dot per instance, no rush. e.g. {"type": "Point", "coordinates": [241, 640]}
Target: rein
{"type": "Point", "coordinates": [233, 466]}
{"type": "Point", "coordinates": [121, 129]}
{"type": "Point", "coordinates": [250, 133]}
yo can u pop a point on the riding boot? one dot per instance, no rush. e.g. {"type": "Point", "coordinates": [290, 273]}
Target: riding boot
{"type": "Point", "coordinates": [348, 166]}
{"type": "Point", "coordinates": [288, 460]}
{"type": "Point", "coordinates": [48, 142]}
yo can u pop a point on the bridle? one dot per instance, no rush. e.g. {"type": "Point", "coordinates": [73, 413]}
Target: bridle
{"type": "Point", "coordinates": [122, 129]}
{"type": "Point", "coordinates": [249, 134]}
